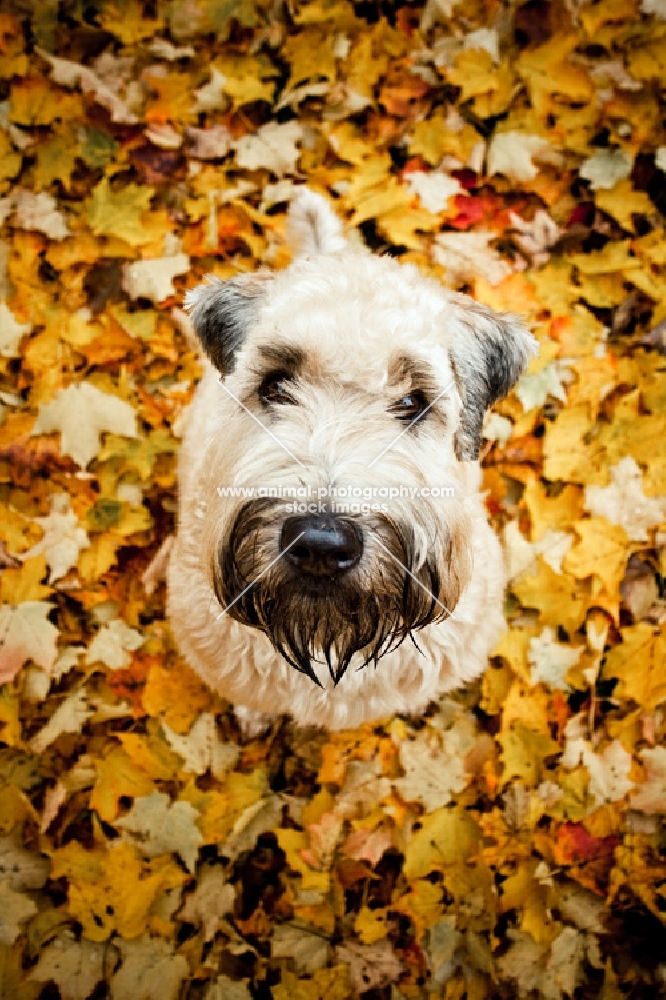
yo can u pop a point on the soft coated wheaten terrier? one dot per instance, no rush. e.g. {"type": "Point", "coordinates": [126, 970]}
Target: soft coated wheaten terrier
{"type": "Point", "coordinates": [333, 558]}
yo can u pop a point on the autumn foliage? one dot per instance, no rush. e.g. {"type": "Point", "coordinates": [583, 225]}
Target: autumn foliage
{"type": "Point", "coordinates": [511, 843]}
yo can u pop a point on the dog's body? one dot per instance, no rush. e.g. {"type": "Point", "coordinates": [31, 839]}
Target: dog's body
{"type": "Point", "coordinates": [343, 372]}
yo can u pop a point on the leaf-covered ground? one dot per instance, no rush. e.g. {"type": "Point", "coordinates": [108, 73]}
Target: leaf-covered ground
{"type": "Point", "coordinates": [509, 844]}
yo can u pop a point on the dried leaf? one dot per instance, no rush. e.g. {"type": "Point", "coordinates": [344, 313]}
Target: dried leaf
{"type": "Point", "coordinates": [149, 970]}
{"type": "Point", "coordinates": [158, 826]}
{"type": "Point", "coordinates": [76, 967]}
{"type": "Point", "coordinates": [113, 644]}
{"type": "Point", "coordinates": [63, 537]}
{"type": "Point", "coordinates": [11, 332]}
{"type": "Point", "coordinates": [15, 909]}
{"type": "Point", "coordinates": [26, 634]}
{"type": "Point", "coordinates": [81, 413]}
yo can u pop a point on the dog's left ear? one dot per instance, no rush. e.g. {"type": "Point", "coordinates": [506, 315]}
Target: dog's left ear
{"type": "Point", "coordinates": [222, 312]}
{"type": "Point", "coordinates": [489, 351]}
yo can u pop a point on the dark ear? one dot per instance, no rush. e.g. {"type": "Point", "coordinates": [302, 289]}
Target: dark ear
{"type": "Point", "coordinates": [489, 351]}
{"type": "Point", "coordinates": [222, 313]}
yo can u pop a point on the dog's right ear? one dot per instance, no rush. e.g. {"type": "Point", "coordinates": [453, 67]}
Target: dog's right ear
{"type": "Point", "coordinates": [489, 352]}
{"type": "Point", "coordinates": [222, 312]}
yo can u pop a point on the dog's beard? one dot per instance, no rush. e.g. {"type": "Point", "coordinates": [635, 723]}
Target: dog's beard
{"type": "Point", "coordinates": [370, 610]}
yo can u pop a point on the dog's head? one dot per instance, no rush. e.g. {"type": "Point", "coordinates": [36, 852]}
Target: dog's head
{"type": "Point", "coordinates": [352, 393]}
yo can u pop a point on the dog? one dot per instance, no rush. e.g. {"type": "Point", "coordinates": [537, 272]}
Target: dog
{"type": "Point", "coordinates": [333, 559]}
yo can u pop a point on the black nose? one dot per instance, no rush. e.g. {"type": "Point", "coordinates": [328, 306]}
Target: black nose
{"type": "Point", "coordinates": [327, 547]}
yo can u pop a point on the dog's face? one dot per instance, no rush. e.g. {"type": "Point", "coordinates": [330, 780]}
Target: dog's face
{"type": "Point", "coordinates": [351, 397]}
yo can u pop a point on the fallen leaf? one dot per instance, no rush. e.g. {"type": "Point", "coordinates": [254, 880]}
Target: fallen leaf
{"type": "Point", "coordinates": [11, 332]}
{"type": "Point", "coordinates": [512, 154]}
{"type": "Point", "coordinates": [466, 256]}
{"type": "Point", "coordinates": [21, 868]}
{"type": "Point", "coordinates": [371, 966]}
{"type": "Point", "coordinates": [624, 503]}
{"type": "Point", "coordinates": [159, 826]}
{"type": "Point", "coordinates": [63, 538]}
{"type": "Point", "coordinates": [637, 662]}
{"type": "Point", "coordinates": [202, 749]}
{"type": "Point", "coordinates": [433, 777]}
{"type": "Point", "coordinates": [534, 390]}
{"type": "Point", "coordinates": [76, 967]}
{"type": "Point", "coordinates": [112, 889]}
{"type": "Point", "coordinates": [15, 909]}
{"type": "Point", "coordinates": [608, 770]}
{"type": "Point", "coordinates": [81, 413]}
{"type": "Point", "coordinates": [550, 661]}
{"type": "Point", "coordinates": [26, 634]}
{"type": "Point", "coordinates": [68, 717]}
{"type": "Point", "coordinates": [120, 213]}
{"type": "Point", "coordinates": [521, 555]}
{"type": "Point", "coordinates": [602, 550]}
{"type": "Point", "coordinates": [536, 237]}
{"type": "Point", "coordinates": [308, 951]}
{"type": "Point", "coordinates": [650, 796]}
{"type": "Point", "coordinates": [272, 147]}
{"type": "Point", "coordinates": [211, 902]}
{"type": "Point", "coordinates": [606, 168]}
{"type": "Point", "coordinates": [212, 96]}
{"type": "Point", "coordinates": [39, 212]}
{"type": "Point", "coordinates": [149, 970]}
{"type": "Point", "coordinates": [113, 644]}
{"type": "Point", "coordinates": [71, 74]}
{"type": "Point", "coordinates": [153, 279]}
{"type": "Point", "coordinates": [433, 189]}
{"type": "Point", "coordinates": [117, 777]}
{"type": "Point", "coordinates": [224, 988]}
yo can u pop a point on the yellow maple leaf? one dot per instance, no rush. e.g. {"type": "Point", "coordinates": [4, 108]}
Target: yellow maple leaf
{"type": "Point", "coordinates": [555, 513]}
{"type": "Point", "coordinates": [567, 454]}
{"type": "Point", "coordinates": [527, 707]}
{"type": "Point", "coordinates": [99, 557]}
{"type": "Point", "coordinates": [490, 86]}
{"type": "Point", "coordinates": [119, 213]}
{"type": "Point", "coordinates": [221, 807]}
{"type": "Point", "coordinates": [113, 890]}
{"type": "Point", "coordinates": [151, 753]}
{"type": "Point", "coordinates": [117, 776]}
{"type": "Point", "coordinates": [523, 891]}
{"type": "Point", "coordinates": [325, 984]}
{"type": "Point", "coordinates": [558, 597]}
{"type": "Point", "coordinates": [623, 202]}
{"type": "Point", "coordinates": [547, 71]}
{"type": "Point", "coordinates": [641, 436]}
{"type": "Point", "coordinates": [25, 583]}
{"type": "Point", "coordinates": [638, 663]}
{"type": "Point", "coordinates": [127, 21]}
{"type": "Point", "coordinates": [445, 837]}
{"type": "Point", "coordinates": [35, 102]}
{"type": "Point", "coordinates": [424, 903]}
{"type": "Point", "coordinates": [648, 62]}
{"type": "Point", "coordinates": [293, 843]}
{"type": "Point", "coordinates": [523, 754]}
{"type": "Point", "coordinates": [602, 551]}
{"type": "Point", "coordinates": [176, 695]}
{"type": "Point", "coordinates": [371, 925]}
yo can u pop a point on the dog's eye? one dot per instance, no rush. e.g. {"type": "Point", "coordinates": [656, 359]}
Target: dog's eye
{"type": "Point", "coordinates": [409, 407]}
{"type": "Point", "coordinates": [275, 389]}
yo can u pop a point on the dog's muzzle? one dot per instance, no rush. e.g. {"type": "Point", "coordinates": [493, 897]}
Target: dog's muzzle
{"type": "Point", "coordinates": [338, 586]}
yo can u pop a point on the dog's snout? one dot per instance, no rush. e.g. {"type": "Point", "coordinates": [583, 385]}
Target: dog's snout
{"type": "Point", "coordinates": [327, 546]}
